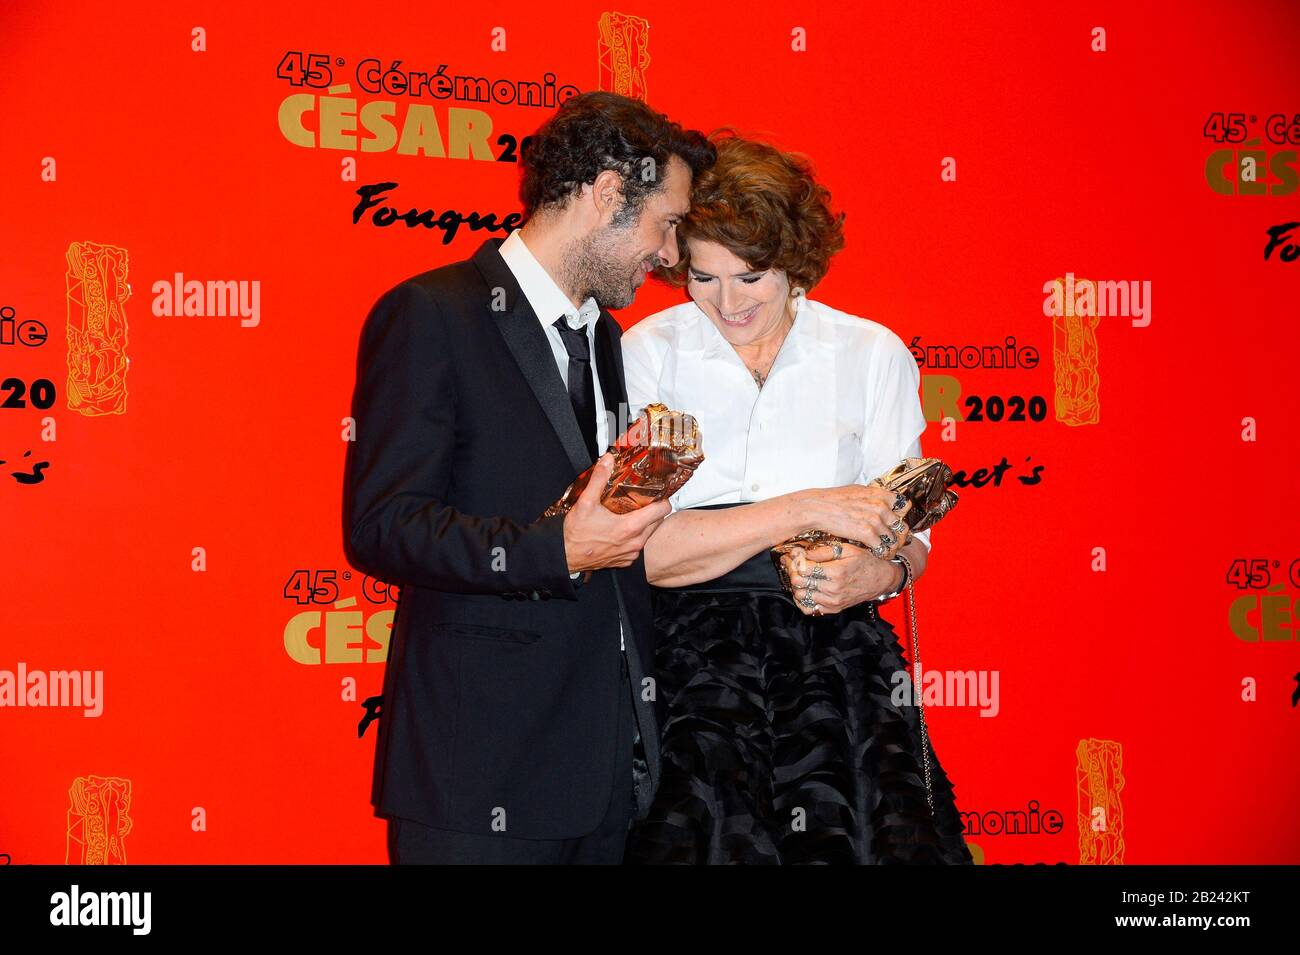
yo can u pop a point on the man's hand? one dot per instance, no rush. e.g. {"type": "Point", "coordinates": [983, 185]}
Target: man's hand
{"type": "Point", "coordinates": [595, 537]}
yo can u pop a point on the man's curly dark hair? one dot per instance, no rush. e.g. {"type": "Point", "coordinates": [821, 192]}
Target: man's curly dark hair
{"type": "Point", "coordinates": [601, 130]}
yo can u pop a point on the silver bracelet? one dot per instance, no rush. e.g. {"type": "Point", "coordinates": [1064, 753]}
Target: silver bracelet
{"type": "Point", "coordinates": [903, 562]}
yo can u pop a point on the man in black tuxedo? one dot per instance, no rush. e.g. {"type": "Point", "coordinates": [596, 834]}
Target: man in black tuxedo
{"type": "Point", "coordinates": [517, 721]}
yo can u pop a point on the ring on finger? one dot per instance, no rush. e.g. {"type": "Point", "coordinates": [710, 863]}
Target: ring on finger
{"type": "Point", "coordinates": [817, 573]}
{"type": "Point", "coordinates": [897, 526]}
{"type": "Point", "coordinates": [900, 501]}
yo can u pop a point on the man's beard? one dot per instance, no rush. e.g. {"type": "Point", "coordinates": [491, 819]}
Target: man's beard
{"type": "Point", "coordinates": [593, 268]}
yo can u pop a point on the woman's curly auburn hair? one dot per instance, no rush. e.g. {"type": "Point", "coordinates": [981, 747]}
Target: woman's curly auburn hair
{"type": "Point", "coordinates": [765, 207]}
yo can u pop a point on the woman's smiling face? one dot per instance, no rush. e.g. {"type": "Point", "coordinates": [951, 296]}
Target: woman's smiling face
{"type": "Point", "coordinates": [744, 305]}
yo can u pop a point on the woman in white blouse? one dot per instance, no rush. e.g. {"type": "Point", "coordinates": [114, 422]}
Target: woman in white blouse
{"type": "Point", "coordinates": [781, 742]}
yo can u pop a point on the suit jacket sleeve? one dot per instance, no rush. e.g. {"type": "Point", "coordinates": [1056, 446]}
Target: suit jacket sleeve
{"type": "Point", "coordinates": [399, 525]}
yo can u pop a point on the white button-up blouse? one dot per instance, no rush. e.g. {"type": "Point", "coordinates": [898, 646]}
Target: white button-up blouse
{"type": "Point", "coordinates": [839, 406]}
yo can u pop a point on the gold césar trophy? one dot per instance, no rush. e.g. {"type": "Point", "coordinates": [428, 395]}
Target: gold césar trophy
{"type": "Point", "coordinates": [653, 458]}
{"type": "Point", "coordinates": [923, 481]}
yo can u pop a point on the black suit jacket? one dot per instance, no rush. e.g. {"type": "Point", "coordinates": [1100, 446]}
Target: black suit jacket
{"type": "Point", "coordinates": [500, 693]}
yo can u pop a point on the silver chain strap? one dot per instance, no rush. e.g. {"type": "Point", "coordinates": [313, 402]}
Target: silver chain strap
{"type": "Point", "coordinates": [916, 685]}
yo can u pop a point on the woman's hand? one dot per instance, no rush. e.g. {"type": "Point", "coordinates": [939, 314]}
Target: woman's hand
{"type": "Point", "coordinates": [860, 512]}
{"type": "Point", "coordinates": [836, 585]}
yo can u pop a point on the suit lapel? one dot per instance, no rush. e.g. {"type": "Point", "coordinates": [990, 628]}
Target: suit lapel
{"type": "Point", "coordinates": [523, 334]}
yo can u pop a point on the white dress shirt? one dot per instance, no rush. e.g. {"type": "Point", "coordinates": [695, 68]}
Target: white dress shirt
{"type": "Point", "coordinates": [550, 302]}
{"type": "Point", "coordinates": [839, 406]}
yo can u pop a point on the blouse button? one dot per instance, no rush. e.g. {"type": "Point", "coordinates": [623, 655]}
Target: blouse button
{"type": "Point", "coordinates": [753, 487]}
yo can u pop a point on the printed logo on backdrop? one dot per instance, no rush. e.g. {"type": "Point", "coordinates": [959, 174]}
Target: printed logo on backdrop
{"type": "Point", "coordinates": [395, 106]}
{"type": "Point", "coordinates": [1267, 614]}
{"type": "Point", "coordinates": [449, 221]}
{"type": "Point", "coordinates": [1265, 164]}
{"type": "Point", "coordinates": [338, 629]}
{"type": "Point", "coordinates": [942, 398]}
{"type": "Point", "coordinates": [999, 824]}
{"type": "Point", "coordinates": [98, 288]}
{"type": "Point", "coordinates": [27, 471]}
{"type": "Point", "coordinates": [21, 333]}
{"type": "Point", "coordinates": [407, 111]}
{"type": "Point", "coordinates": [1076, 307]}
{"type": "Point", "coordinates": [22, 393]}
{"type": "Point", "coordinates": [99, 820]}
{"type": "Point", "coordinates": [1252, 166]}
{"type": "Point", "coordinates": [341, 629]}
{"type": "Point", "coordinates": [1099, 778]}
{"type": "Point", "coordinates": [622, 54]}
{"type": "Point", "coordinates": [1285, 239]}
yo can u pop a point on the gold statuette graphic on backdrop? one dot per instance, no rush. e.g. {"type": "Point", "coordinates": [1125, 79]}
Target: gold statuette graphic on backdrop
{"type": "Point", "coordinates": [622, 54]}
{"type": "Point", "coordinates": [653, 458]}
{"type": "Point", "coordinates": [1074, 360]}
{"type": "Point", "coordinates": [1100, 777]}
{"type": "Point", "coordinates": [99, 819]}
{"type": "Point", "coordinates": [97, 362]}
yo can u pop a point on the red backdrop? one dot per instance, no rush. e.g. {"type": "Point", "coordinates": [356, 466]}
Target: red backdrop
{"type": "Point", "coordinates": [1136, 600]}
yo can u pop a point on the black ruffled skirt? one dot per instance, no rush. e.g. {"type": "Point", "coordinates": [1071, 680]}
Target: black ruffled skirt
{"type": "Point", "coordinates": [780, 742]}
